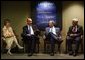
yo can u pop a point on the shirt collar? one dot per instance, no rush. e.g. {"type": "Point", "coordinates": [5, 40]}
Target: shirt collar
{"type": "Point", "coordinates": [53, 27]}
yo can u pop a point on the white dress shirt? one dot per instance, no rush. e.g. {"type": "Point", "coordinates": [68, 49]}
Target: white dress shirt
{"type": "Point", "coordinates": [31, 30]}
{"type": "Point", "coordinates": [53, 30]}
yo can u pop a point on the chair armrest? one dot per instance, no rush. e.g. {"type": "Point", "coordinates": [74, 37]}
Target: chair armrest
{"type": "Point", "coordinates": [3, 38]}
{"type": "Point", "coordinates": [81, 36]}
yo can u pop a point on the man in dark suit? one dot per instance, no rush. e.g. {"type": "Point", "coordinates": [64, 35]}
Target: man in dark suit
{"type": "Point", "coordinates": [74, 33]}
{"type": "Point", "coordinates": [29, 35]}
{"type": "Point", "coordinates": [52, 33]}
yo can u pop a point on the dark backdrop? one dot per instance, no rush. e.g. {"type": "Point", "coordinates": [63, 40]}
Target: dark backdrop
{"type": "Point", "coordinates": [58, 5]}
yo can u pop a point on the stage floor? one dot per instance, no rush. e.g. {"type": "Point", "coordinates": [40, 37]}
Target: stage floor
{"type": "Point", "coordinates": [41, 56]}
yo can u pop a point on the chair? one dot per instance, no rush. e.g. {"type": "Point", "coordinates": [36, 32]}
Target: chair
{"type": "Point", "coordinates": [81, 44]}
{"type": "Point", "coordinates": [37, 45]}
{"type": "Point", "coordinates": [3, 45]}
{"type": "Point", "coordinates": [46, 41]}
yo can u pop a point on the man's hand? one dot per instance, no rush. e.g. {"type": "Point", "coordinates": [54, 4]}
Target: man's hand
{"type": "Point", "coordinates": [28, 35]}
{"type": "Point", "coordinates": [73, 34]}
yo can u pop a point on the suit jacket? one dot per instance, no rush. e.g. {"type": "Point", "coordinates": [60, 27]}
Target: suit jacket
{"type": "Point", "coordinates": [57, 31]}
{"type": "Point", "coordinates": [79, 30]}
{"type": "Point", "coordinates": [26, 31]}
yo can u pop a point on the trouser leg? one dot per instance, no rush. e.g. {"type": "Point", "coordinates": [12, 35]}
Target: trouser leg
{"type": "Point", "coordinates": [33, 45]}
{"type": "Point", "coordinates": [77, 42]}
{"type": "Point", "coordinates": [69, 43]}
{"type": "Point", "coordinates": [52, 44]}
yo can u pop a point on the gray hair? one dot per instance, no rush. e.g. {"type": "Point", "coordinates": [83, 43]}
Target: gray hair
{"type": "Point", "coordinates": [75, 19]}
{"type": "Point", "coordinates": [51, 21]}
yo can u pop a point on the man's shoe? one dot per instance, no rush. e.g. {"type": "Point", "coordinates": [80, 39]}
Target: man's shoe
{"type": "Point", "coordinates": [70, 53]}
{"type": "Point", "coordinates": [52, 54]}
{"type": "Point", "coordinates": [74, 54]}
{"type": "Point", "coordinates": [61, 41]}
{"type": "Point", "coordinates": [30, 54]}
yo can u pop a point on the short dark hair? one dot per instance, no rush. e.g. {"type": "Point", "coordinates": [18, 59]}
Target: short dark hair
{"type": "Point", "coordinates": [6, 21]}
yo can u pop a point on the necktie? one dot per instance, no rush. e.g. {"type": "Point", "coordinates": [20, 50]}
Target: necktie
{"type": "Point", "coordinates": [51, 29]}
{"type": "Point", "coordinates": [29, 30]}
{"type": "Point", "coordinates": [74, 29]}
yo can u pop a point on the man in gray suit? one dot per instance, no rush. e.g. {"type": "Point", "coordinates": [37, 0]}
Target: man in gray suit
{"type": "Point", "coordinates": [52, 33]}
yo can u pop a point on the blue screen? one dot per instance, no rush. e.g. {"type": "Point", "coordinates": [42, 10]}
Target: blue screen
{"type": "Point", "coordinates": [45, 11]}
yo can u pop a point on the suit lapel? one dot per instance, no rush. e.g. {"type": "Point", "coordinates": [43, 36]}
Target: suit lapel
{"type": "Point", "coordinates": [48, 29]}
{"type": "Point", "coordinates": [27, 29]}
{"type": "Point", "coordinates": [33, 27]}
{"type": "Point", "coordinates": [78, 28]}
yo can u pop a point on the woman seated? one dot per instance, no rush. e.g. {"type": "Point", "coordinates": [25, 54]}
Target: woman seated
{"type": "Point", "coordinates": [9, 36]}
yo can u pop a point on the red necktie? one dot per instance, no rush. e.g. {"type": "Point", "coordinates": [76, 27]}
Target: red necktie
{"type": "Point", "coordinates": [74, 29]}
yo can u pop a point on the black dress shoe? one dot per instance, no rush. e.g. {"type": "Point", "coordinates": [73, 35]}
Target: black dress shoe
{"type": "Point", "coordinates": [70, 53]}
{"type": "Point", "coordinates": [61, 41]}
{"type": "Point", "coordinates": [74, 54]}
{"type": "Point", "coordinates": [30, 54]}
{"type": "Point", "coordinates": [52, 54]}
